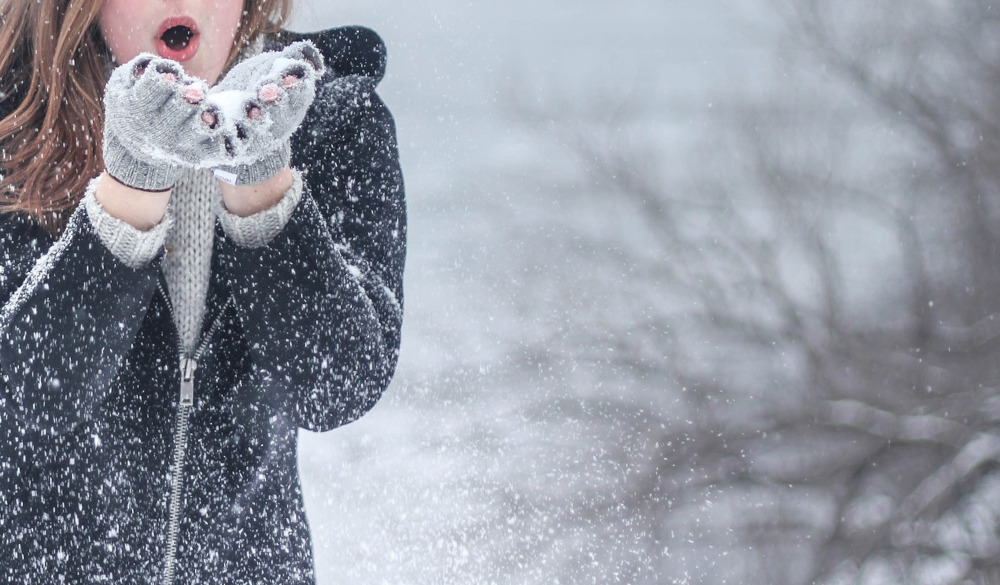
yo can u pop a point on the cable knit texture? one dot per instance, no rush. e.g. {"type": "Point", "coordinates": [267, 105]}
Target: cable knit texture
{"type": "Point", "coordinates": [134, 247]}
{"type": "Point", "coordinates": [260, 228]}
{"type": "Point", "coordinates": [187, 265]}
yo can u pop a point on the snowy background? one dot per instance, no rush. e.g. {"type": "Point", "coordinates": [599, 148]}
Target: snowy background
{"type": "Point", "coordinates": [697, 292]}
{"type": "Point", "coordinates": [426, 488]}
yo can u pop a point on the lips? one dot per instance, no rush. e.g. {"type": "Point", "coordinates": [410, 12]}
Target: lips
{"type": "Point", "coordinates": [177, 38]}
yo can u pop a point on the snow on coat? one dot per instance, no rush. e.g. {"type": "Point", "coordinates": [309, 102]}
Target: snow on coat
{"type": "Point", "coordinates": [90, 368]}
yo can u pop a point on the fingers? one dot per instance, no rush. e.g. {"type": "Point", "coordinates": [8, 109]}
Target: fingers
{"type": "Point", "coordinates": [286, 93]}
{"type": "Point", "coordinates": [307, 53]}
{"type": "Point", "coordinates": [287, 78]}
{"type": "Point", "coordinates": [155, 110]}
{"type": "Point", "coordinates": [273, 73]}
{"type": "Point", "coordinates": [148, 83]}
{"type": "Point", "coordinates": [138, 65]}
{"type": "Point", "coordinates": [297, 67]}
{"type": "Point", "coordinates": [237, 119]}
{"type": "Point", "coordinates": [210, 118]}
{"type": "Point", "coordinates": [158, 82]}
{"type": "Point", "coordinates": [262, 101]}
{"type": "Point", "coordinates": [155, 72]}
{"type": "Point", "coordinates": [270, 93]}
{"type": "Point", "coordinates": [268, 108]}
{"type": "Point", "coordinates": [193, 94]}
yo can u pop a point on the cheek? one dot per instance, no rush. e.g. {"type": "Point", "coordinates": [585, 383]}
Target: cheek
{"type": "Point", "coordinates": [226, 16]}
{"type": "Point", "coordinates": [118, 22]}
{"type": "Point", "coordinates": [225, 20]}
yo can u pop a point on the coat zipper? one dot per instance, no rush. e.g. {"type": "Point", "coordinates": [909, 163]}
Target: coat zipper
{"type": "Point", "coordinates": [188, 364]}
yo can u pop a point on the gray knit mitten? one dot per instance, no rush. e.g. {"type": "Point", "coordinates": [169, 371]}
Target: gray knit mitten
{"type": "Point", "coordinates": [157, 123]}
{"type": "Point", "coordinates": [260, 104]}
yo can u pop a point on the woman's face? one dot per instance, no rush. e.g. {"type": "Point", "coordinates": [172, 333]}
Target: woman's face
{"type": "Point", "coordinates": [197, 33]}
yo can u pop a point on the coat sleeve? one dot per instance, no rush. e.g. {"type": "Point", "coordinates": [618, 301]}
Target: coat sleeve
{"type": "Point", "coordinates": [321, 303]}
{"type": "Point", "coordinates": [70, 311]}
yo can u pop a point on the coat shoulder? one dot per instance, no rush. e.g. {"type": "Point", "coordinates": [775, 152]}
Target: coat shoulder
{"type": "Point", "coordinates": [349, 50]}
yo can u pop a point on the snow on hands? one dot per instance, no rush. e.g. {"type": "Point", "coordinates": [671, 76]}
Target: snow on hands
{"type": "Point", "coordinates": [160, 121]}
{"type": "Point", "coordinates": [262, 101]}
{"type": "Point", "coordinates": [153, 125]}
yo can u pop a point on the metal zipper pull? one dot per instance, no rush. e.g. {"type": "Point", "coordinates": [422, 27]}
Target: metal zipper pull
{"type": "Point", "coordinates": [188, 366]}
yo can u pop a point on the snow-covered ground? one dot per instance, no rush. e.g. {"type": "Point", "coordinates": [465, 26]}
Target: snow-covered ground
{"type": "Point", "coordinates": [454, 477]}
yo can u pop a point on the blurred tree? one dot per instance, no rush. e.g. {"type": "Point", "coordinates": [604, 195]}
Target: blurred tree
{"type": "Point", "coordinates": [808, 308]}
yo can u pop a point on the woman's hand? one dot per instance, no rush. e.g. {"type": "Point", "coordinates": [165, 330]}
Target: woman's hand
{"type": "Point", "coordinates": [157, 123]}
{"type": "Point", "coordinates": [260, 104]}
{"type": "Point", "coordinates": [140, 209]}
{"type": "Point", "coordinates": [160, 122]}
{"type": "Point", "coordinates": [244, 200]}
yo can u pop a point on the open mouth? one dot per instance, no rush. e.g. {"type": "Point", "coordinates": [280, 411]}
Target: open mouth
{"type": "Point", "coordinates": [177, 38]}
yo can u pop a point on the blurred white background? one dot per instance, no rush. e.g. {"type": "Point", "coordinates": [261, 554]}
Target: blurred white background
{"type": "Point", "coordinates": [697, 292]}
{"type": "Point", "coordinates": [426, 488]}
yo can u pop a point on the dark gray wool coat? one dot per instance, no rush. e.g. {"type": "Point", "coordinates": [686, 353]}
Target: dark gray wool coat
{"type": "Point", "coordinates": [90, 367]}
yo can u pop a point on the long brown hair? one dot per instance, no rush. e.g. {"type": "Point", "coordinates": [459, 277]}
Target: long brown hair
{"type": "Point", "coordinates": [53, 65]}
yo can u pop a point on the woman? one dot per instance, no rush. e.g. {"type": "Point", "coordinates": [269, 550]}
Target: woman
{"type": "Point", "coordinates": [167, 326]}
